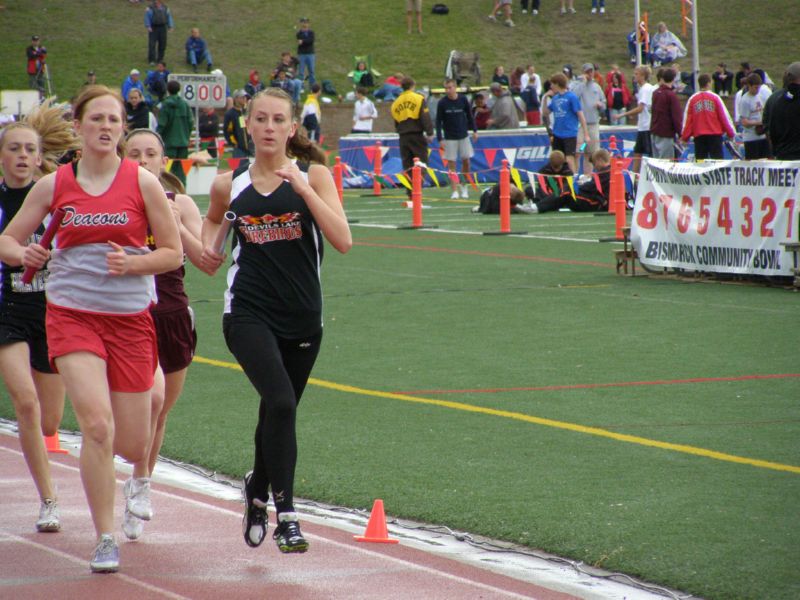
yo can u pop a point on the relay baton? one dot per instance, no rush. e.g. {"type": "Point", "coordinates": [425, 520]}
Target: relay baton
{"type": "Point", "coordinates": [222, 235]}
{"type": "Point", "coordinates": [44, 242]}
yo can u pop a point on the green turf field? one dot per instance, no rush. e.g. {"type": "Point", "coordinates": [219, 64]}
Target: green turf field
{"type": "Point", "coordinates": [517, 387]}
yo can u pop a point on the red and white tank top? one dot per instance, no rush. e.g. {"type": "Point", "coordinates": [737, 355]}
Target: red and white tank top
{"type": "Point", "coordinates": [79, 276]}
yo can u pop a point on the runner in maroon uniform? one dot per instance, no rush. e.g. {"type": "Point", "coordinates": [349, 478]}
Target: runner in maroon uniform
{"type": "Point", "coordinates": [174, 322]}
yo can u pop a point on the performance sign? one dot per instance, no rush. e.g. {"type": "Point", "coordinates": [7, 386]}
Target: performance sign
{"type": "Point", "coordinates": [201, 91]}
{"type": "Point", "coordinates": [717, 216]}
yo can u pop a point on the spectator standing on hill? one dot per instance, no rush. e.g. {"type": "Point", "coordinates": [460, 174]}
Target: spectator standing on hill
{"type": "Point", "coordinates": [364, 112]}
{"type": "Point", "coordinates": [305, 52]}
{"type": "Point", "coordinates": [593, 104]}
{"type": "Point", "coordinates": [706, 120]}
{"type": "Point", "coordinates": [131, 82]}
{"type": "Point", "coordinates": [453, 124]}
{"type": "Point", "coordinates": [723, 80]}
{"type": "Point", "coordinates": [598, 6]}
{"type": "Point", "coordinates": [197, 51]}
{"type": "Point", "coordinates": [412, 121]}
{"type": "Point", "coordinates": [781, 116]}
{"type": "Point", "coordinates": [37, 56]}
{"type": "Point", "coordinates": [505, 5]}
{"type": "Point", "coordinates": [644, 102]}
{"type": "Point", "coordinates": [504, 111]}
{"type": "Point", "coordinates": [534, 4]}
{"type": "Point", "coordinates": [414, 6]}
{"type": "Point", "coordinates": [234, 126]}
{"type": "Point", "coordinates": [666, 118]}
{"type": "Point", "coordinates": [284, 204]}
{"type": "Point", "coordinates": [157, 21]}
{"type": "Point", "coordinates": [175, 128]}
{"type": "Point", "coordinates": [156, 82]}
{"type": "Point", "coordinates": [751, 108]}
{"type": "Point", "coordinates": [567, 117]}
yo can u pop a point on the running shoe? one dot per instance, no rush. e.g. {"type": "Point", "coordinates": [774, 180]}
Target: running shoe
{"type": "Point", "coordinates": [132, 525]}
{"type": "Point", "coordinates": [137, 494]}
{"type": "Point", "coordinates": [48, 516]}
{"type": "Point", "coordinates": [106, 555]}
{"type": "Point", "coordinates": [254, 523]}
{"type": "Point", "coordinates": [288, 536]}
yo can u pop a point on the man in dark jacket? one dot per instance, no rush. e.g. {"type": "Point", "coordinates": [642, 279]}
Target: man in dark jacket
{"type": "Point", "coordinates": [781, 116]}
{"type": "Point", "coordinates": [453, 122]}
{"type": "Point", "coordinates": [175, 127]}
{"type": "Point", "coordinates": [666, 119]}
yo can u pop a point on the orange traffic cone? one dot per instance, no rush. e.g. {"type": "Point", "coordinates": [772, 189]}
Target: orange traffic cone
{"type": "Point", "coordinates": [53, 444]}
{"type": "Point", "coordinates": [376, 527]}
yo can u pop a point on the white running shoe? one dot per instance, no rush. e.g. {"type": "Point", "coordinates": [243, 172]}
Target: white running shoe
{"type": "Point", "coordinates": [132, 525]}
{"type": "Point", "coordinates": [48, 516]}
{"type": "Point", "coordinates": [106, 555]}
{"type": "Point", "coordinates": [454, 195]}
{"type": "Point", "coordinates": [137, 493]}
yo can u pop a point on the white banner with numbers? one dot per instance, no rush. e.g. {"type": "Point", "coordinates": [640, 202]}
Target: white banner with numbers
{"type": "Point", "coordinates": [717, 216]}
{"type": "Point", "coordinates": [201, 91]}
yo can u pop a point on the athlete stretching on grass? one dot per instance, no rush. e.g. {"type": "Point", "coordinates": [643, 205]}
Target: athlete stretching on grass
{"type": "Point", "coordinates": [273, 304]}
{"type": "Point", "coordinates": [36, 392]}
{"type": "Point", "coordinates": [173, 321]}
{"type": "Point", "coordinates": [99, 329]}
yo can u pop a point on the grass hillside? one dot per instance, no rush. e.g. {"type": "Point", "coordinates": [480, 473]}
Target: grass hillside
{"type": "Point", "coordinates": [109, 36]}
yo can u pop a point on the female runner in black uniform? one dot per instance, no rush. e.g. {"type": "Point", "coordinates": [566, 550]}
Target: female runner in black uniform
{"type": "Point", "coordinates": [36, 392]}
{"type": "Point", "coordinates": [283, 205]}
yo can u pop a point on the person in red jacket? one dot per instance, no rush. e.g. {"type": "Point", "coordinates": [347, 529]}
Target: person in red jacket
{"type": "Point", "coordinates": [618, 97]}
{"type": "Point", "coordinates": [706, 120]}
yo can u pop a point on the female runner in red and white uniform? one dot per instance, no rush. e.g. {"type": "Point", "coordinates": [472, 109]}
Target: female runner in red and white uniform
{"type": "Point", "coordinates": [99, 329]}
{"type": "Point", "coordinates": [174, 324]}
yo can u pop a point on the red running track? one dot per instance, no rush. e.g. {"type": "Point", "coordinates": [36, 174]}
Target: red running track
{"type": "Point", "coordinates": [193, 548]}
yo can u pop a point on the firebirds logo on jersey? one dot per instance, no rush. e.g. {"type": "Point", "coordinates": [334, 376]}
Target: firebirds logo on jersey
{"type": "Point", "coordinates": [271, 228]}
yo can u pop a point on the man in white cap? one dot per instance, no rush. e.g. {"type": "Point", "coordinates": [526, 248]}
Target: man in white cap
{"type": "Point", "coordinates": [132, 82]}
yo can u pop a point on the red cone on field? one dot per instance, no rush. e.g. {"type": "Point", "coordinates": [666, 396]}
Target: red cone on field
{"type": "Point", "coordinates": [376, 527]}
{"type": "Point", "coordinates": [53, 444]}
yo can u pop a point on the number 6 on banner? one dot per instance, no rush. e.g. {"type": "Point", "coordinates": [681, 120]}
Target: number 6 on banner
{"type": "Point", "coordinates": [47, 238]}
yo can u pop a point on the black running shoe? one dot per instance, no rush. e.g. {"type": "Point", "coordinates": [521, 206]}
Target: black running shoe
{"type": "Point", "coordinates": [288, 536]}
{"type": "Point", "coordinates": [254, 523]}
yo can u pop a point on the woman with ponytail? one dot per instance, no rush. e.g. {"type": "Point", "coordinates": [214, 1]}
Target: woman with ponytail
{"type": "Point", "coordinates": [29, 149]}
{"type": "Point", "coordinates": [174, 323]}
{"type": "Point", "coordinates": [282, 205]}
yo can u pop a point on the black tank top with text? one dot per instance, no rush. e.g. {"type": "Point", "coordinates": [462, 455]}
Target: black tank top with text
{"type": "Point", "coordinates": [277, 254]}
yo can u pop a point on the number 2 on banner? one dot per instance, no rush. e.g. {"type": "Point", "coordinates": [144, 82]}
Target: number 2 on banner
{"type": "Point", "coordinates": [647, 217]}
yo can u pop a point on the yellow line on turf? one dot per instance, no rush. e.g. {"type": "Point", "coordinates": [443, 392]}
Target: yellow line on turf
{"type": "Point", "coordinates": [620, 437]}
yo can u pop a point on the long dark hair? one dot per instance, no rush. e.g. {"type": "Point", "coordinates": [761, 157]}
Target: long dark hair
{"type": "Point", "coordinates": [298, 146]}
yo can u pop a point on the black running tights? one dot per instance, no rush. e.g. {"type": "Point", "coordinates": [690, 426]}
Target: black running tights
{"type": "Point", "coordinates": [279, 370]}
